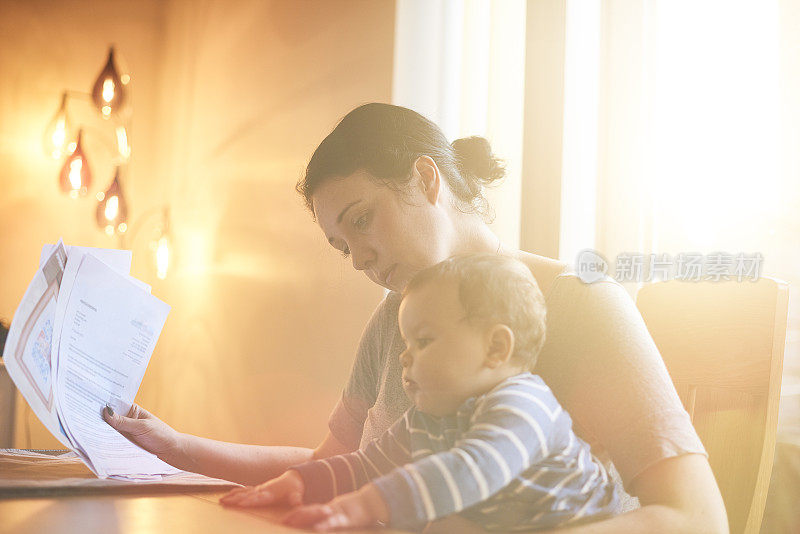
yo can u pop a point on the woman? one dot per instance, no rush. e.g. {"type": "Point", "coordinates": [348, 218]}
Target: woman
{"type": "Point", "coordinates": [388, 190]}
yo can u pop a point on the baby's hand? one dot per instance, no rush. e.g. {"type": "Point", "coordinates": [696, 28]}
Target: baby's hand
{"type": "Point", "coordinates": [286, 489]}
{"type": "Point", "coordinates": [362, 508]}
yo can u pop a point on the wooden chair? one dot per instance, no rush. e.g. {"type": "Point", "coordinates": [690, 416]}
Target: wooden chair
{"type": "Point", "coordinates": [723, 345]}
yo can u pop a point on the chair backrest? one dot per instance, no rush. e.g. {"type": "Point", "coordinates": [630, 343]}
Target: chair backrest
{"type": "Point", "coordinates": [723, 345]}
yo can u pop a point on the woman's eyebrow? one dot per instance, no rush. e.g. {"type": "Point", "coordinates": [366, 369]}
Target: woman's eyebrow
{"type": "Point", "coordinates": [341, 215]}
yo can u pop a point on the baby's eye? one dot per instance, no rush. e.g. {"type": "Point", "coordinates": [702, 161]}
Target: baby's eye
{"type": "Point", "coordinates": [423, 342]}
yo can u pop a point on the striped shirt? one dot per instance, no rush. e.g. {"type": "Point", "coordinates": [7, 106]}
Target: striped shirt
{"type": "Point", "coordinates": [507, 460]}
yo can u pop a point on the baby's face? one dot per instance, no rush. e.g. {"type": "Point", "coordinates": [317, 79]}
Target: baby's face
{"type": "Point", "coordinates": [443, 364]}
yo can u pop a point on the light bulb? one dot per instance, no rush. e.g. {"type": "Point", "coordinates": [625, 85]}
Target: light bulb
{"type": "Point", "coordinates": [112, 209]}
{"type": "Point", "coordinates": [76, 176]}
{"type": "Point", "coordinates": [163, 248]}
{"type": "Point", "coordinates": [58, 134]}
{"type": "Point", "coordinates": [162, 257]}
{"type": "Point", "coordinates": [108, 90]}
{"type": "Point", "coordinates": [123, 147]}
{"type": "Point", "coordinates": [109, 93]}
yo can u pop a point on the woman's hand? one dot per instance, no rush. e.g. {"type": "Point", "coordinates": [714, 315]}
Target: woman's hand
{"type": "Point", "coordinates": [362, 508]}
{"type": "Point", "coordinates": [147, 431]}
{"type": "Point", "coordinates": [286, 489]}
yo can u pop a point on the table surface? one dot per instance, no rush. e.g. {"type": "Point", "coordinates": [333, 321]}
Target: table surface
{"type": "Point", "coordinates": [114, 509]}
{"type": "Point", "coordinates": [196, 513]}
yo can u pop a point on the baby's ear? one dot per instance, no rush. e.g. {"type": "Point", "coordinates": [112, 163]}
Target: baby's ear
{"type": "Point", "coordinates": [500, 346]}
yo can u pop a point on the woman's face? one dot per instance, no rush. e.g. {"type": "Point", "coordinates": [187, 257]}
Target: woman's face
{"type": "Point", "coordinates": [388, 234]}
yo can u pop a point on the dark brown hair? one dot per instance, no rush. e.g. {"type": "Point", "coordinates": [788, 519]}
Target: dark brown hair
{"type": "Point", "coordinates": [493, 289]}
{"type": "Point", "coordinates": [385, 140]}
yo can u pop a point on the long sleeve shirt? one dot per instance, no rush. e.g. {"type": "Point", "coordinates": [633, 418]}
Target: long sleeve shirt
{"type": "Point", "coordinates": [507, 460]}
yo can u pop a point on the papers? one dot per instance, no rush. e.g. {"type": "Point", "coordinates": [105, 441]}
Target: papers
{"type": "Point", "coordinates": [119, 260]}
{"type": "Point", "coordinates": [82, 338]}
{"type": "Point", "coordinates": [27, 351]}
{"type": "Point", "coordinates": [28, 473]}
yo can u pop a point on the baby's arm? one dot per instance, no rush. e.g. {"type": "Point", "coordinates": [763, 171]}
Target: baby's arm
{"type": "Point", "coordinates": [329, 477]}
{"type": "Point", "coordinates": [508, 434]}
{"type": "Point", "coordinates": [321, 480]}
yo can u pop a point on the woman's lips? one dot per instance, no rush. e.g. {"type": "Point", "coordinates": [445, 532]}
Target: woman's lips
{"type": "Point", "coordinates": [386, 276]}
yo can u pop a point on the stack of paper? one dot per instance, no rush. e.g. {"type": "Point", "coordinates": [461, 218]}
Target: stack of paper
{"type": "Point", "coordinates": [80, 339]}
{"type": "Point", "coordinates": [32, 474]}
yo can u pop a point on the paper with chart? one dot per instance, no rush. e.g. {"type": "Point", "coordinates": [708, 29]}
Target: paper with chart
{"type": "Point", "coordinates": [27, 353]}
{"type": "Point", "coordinates": [82, 338]}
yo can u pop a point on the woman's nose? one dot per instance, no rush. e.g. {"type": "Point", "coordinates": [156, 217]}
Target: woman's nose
{"type": "Point", "coordinates": [363, 257]}
{"type": "Point", "coordinates": [405, 358]}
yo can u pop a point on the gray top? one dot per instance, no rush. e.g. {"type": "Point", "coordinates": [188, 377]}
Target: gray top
{"type": "Point", "coordinates": [598, 359]}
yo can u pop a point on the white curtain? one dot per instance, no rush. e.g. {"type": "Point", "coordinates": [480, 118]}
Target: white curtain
{"type": "Point", "coordinates": [681, 128]}
{"type": "Point", "coordinates": [681, 134]}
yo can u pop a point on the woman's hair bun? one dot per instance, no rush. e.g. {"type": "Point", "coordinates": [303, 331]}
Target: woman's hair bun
{"type": "Point", "coordinates": [475, 159]}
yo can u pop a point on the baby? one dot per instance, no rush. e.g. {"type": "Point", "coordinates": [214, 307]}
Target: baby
{"type": "Point", "coordinates": [485, 437]}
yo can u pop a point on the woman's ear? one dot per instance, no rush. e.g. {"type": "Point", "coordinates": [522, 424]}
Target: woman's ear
{"type": "Point", "coordinates": [500, 346]}
{"type": "Point", "coordinates": [429, 177]}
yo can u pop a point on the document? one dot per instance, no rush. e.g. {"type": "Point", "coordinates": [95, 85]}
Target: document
{"type": "Point", "coordinates": [27, 351]}
{"type": "Point", "coordinates": [82, 338]}
{"type": "Point", "coordinates": [119, 260]}
{"type": "Point", "coordinates": [32, 474]}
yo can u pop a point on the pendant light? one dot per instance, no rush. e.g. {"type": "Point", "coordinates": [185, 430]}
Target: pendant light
{"type": "Point", "coordinates": [58, 133]}
{"type": "Point", "coordinates": [109, 93]}
{"type": "Point", "coordinates": [112, 209]}
{"type": "Point", "coordinates": [76, 176]}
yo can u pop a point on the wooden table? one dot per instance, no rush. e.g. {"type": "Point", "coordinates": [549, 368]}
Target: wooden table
{"type": "Point", "coordinates": [189, 513]}
{"type": "Point", "coordinates": [107, 510]}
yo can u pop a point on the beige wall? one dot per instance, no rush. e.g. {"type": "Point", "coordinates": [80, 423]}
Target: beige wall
{"type": "Point", "coordinates": [230, 99]}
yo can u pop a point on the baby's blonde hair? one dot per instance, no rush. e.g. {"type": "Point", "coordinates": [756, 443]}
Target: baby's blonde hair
{"type": "Point", "coordinates": [492, 289]}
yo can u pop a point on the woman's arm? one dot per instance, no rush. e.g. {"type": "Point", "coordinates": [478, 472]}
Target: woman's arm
{"type": "Point", "coordinates": [245, 464]}
{"type": "Point", "coordinates": [251, 464]}
{"type": "Point", "coordinates": [678, 495]}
